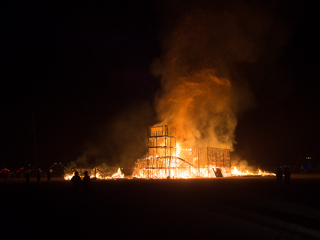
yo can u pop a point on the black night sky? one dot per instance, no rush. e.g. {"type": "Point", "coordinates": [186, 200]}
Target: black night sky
{"type": "Point", "coordinates": [83, 68]}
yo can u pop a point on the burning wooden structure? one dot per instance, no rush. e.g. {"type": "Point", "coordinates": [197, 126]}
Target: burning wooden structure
{"type": "Point", "coordinates": [166, 159]}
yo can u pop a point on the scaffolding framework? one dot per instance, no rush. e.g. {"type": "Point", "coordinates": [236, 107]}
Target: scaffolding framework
{"type": "Point", "coordinates": [161, 141]}
{"type": "Point", "coordinates": [164, 162]}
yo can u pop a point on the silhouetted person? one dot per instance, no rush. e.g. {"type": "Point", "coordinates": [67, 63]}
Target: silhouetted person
{"type": "Point", "coordinates": [218, 172]}
{"type": "Point", "coordinates": [286, 175]}
{"type": "Point", "coordinates": [5, 176]}
{"type": "Point", "coordinates": [27, 176]}
{"type": "Point", "coordinates": [279, 176]}
{"type": "Point", "coordinates": [48, 175]}
{"type": "Point", "coordinates": [38, 176]}
{"type": "Point", "coordinates": [76, 183]}
{"type": "Point", "coordinates": [86, 183]}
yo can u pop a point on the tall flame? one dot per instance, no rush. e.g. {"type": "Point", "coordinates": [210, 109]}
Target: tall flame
{"type": "Point", "coordinates": [178, 149]}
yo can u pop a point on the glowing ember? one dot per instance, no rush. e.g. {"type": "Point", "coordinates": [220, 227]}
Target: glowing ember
{"type": "Point", "coordinates": [118, 174]}
{"type": "Point", "coordinates": [68, 176]}
{"type": "Point", "coordinates": [236, 172]}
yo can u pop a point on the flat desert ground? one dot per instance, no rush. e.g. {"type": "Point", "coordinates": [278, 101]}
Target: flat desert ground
{"type": "Point", "coordinates": [219, 208]}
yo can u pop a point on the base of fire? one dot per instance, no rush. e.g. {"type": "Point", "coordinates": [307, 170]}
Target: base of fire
{"type": "Point", "coordinates": [167, 159]}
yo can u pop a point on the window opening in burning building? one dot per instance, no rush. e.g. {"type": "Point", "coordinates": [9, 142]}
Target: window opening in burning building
{"type": "Point", "coordinates": [167, 159]}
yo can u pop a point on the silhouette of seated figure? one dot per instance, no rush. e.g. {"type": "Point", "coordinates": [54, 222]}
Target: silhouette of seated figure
{"type": "Point", "coordinates": [279, 175]}
{"type": "Point", "coordinates": [218, 172]}
{"type": "Point", "coordinates": [286, 175]}
{"type": "Point", "coordinates": [76, 183]}
{"type": "Point", "coordinates": [86, 183]}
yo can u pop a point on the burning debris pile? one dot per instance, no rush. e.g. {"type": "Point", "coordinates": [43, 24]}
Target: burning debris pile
{"type": "Point", "coordinates": [167, 159]}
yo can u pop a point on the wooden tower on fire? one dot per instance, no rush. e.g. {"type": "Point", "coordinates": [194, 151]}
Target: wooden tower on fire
{"type": "Point", "coordinates": [164, 161]}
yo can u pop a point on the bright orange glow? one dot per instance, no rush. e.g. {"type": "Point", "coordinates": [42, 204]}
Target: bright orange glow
{"type": "Point", "coordinates": [98, 175]}
{"type": "Point", "coordinates": [118, 174]}
{"type": "Point", "coordinates": [236, 172]}
{"type": "Point", "coordinates": [190, 163]}
{"type": "Point", "coordinates": [178, 148]}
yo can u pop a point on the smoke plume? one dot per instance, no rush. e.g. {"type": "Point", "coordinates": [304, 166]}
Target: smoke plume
{"type": "Point", "coordinates": [120, 142]}
{"type": "Point", "coordinates": [203, 88]}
